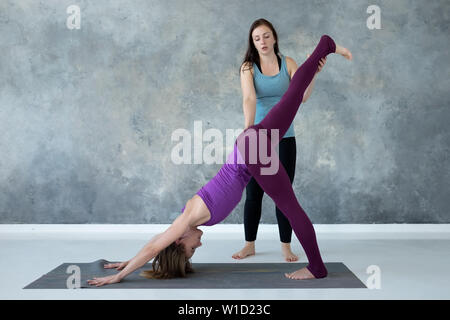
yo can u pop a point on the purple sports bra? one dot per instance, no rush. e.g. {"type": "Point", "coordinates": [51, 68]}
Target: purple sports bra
{"type": "Point", "coordinates": [224, 191]}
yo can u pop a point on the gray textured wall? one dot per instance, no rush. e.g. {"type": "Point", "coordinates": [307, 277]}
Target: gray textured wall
{"type": "Point", "coordinates": [86, 116]}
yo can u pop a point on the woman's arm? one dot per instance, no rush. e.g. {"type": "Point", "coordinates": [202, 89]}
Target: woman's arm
{"type": "Point", "coordinates": [158, 243]}
{"type": "Point", "coordinates": [151, 249]}
{"type": "Point", "coordinates": [248, 96]}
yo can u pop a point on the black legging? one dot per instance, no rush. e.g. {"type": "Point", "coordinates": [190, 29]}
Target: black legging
{"type": "Point", "coordinates": [253, 202]}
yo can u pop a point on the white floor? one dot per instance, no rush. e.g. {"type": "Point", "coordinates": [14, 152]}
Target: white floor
{"type": "Point", "coordinates": [413, 261]}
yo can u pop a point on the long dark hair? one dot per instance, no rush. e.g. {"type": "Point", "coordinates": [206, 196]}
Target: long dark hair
{"type": "Point", "coordinates": [252, 56]}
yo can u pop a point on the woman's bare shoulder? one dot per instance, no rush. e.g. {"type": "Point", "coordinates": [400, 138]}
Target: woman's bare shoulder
{"type": "Point", "coordinates": [290, 61]}
{"type": "Point", "coordinates": [291, 66]}
{"type": "Point", "coordinates": [199, 212]}
{"type": "Point", "coordinates": [247, 66]}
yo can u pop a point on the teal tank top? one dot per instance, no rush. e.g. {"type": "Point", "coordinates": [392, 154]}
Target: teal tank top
{"type": "Point", "coordinates": [269, 90]}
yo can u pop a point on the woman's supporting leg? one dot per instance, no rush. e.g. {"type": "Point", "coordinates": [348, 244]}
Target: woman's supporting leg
{"type": "Point", "coordinates": [279, 188]}
{"type": "Point", "coordinates": [252, 216]}
{"type": "Point", "coordinates": [288, 156]}
{"type": "Point", "coordinates": [252, 209]}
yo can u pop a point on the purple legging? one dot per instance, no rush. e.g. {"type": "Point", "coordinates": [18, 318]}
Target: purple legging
{"type": "Point", "coordinates": [277, 185]}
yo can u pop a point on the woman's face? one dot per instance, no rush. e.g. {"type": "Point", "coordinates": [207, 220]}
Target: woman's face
{"type": "Point", "coordinates": [191, 241]}
{"type": "Point", "coordinates": [263, 40]}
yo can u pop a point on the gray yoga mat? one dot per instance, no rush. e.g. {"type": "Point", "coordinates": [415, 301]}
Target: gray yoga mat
{"type": "Point", "coordinates": [207, 275]}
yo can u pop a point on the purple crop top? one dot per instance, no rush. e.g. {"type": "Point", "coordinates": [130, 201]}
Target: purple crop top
{"type": "Point", "coordinates": [223, 192]}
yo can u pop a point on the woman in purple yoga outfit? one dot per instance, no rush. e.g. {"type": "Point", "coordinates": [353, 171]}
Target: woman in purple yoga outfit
{"type": "Point", "coordinates": [173, 248]}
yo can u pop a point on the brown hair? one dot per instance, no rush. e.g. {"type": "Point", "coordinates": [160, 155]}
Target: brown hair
{"type": "Point", "coordinates": [169, 263]}
{"type": "Point", "coordinates": [252, 56]}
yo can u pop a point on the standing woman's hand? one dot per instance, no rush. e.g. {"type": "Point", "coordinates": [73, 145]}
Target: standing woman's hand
{"type": "Point", "coordinates": [321, 63]}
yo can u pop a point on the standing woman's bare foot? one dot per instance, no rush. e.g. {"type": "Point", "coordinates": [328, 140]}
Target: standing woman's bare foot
{"type": "Point", "coordinates": [301, 274]}
{"type": "Point", "coordinates": [289, 256]}
{"type": "Point", "coordinates": [248, 250]}
{"type": "Point", "coordinates": [344, 52]}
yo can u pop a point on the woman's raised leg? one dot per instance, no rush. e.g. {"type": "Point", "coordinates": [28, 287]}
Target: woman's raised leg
{"type": "Point", "coordinates": [283, 113]}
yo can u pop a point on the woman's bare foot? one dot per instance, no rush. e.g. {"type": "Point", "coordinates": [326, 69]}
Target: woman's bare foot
{"type": "Point", "coordinates": [248, 250]}
{"type": "Point", "coordinates": [344, 52]}
{"type": "Point", "coordinates": [289, 256]}
{"type": "Point", "coordinates": [301, 274]}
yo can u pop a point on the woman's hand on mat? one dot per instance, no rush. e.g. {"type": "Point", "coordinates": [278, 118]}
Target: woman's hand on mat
{"type": "Point", "coordinates": [98, 282]}
{"type": "Point", "coordinates": [117, 265]}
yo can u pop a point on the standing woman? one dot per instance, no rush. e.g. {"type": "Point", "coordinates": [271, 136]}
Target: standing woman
{"type": "Point", "coordinates": [265, 76]}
